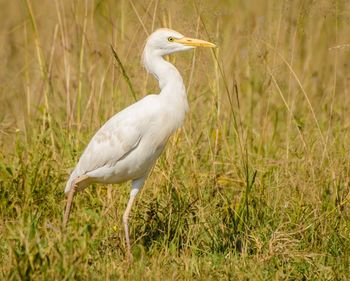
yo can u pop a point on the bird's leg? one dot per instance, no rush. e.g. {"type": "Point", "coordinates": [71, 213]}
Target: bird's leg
{"type": "Point", "coordinates": [77, 185]}
{"type": "Point", "coordinates": [69, 204]}
{"type": "Point", "coordinates": [136, 186]}
{"type": "Point", "coordinates": [126, 227]}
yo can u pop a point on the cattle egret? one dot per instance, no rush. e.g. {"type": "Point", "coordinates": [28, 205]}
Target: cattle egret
{"type": "Point", "coordinates": [127, 146]}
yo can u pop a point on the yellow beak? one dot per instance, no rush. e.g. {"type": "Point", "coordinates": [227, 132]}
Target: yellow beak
{"type": "Point", "coordinates": [194, 42]}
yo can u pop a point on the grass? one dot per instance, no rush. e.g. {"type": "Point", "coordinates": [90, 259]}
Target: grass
{"type": "Point", "coordinates": [254, 187]}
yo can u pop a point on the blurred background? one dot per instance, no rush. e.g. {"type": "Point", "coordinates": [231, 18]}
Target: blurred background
{"type": "Point", "coordinates": [56, 57]}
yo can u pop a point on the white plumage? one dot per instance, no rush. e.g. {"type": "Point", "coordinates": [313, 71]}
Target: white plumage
{"type": "Point", "coordinates": [127, 146]}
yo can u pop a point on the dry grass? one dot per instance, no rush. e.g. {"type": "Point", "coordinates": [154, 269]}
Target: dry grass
{"type": "Point", "coordinates": [254, 187]}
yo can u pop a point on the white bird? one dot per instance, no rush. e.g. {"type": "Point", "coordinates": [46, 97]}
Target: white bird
{"type": "Point", "coordinates": [127, 146]}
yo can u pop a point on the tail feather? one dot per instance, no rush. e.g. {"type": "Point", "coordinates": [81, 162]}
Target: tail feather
{"type": "Point", "coordinates": [82, 180]}
{"type": "Point", "coordinates": [69, 183]}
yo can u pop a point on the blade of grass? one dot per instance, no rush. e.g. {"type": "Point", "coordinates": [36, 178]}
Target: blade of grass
{"type": "Point", "coordinates": [123, 72]}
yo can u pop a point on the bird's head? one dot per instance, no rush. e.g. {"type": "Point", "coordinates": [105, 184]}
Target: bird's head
{"type": "Point", "coordinates": [166, 41]}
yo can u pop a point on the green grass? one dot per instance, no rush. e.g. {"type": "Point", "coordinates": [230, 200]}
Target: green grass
{"type": "Point", "coordinates": [254, 187]}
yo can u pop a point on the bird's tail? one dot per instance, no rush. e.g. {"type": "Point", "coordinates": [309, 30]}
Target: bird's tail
{"type": "Point", "coordinates": [69, 183]}
{"type": "Point", "coordinates": [77, 174]}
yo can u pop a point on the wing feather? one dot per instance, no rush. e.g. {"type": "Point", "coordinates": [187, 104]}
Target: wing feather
{"type": "Point", "coordinates": [111, 143]}
{"type": "Point", "coordinates": [116, 138]}
{"type": "Point", "coordinates": [107, 147]}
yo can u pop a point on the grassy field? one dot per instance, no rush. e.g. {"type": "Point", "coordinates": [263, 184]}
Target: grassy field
{"type": "Point", "coordinates": [255, 186]}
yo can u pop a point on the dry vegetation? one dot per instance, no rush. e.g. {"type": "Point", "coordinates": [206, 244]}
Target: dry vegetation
{"type": "Point", "coordinates": [254, 187]}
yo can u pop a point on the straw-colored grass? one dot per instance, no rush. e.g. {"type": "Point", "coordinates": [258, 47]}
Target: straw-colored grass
{"type": "Point", "coordinates": [254, 187]}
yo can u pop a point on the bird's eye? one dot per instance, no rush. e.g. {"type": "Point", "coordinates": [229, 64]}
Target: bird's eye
{"type": "Point", "coordinates": [171, 39]}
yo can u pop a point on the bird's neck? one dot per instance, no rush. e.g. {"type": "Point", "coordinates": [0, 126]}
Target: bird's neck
{"type": "Point", "coordinates": [169, 78]}
{"type": "Point", "coordinates": [173, 91]}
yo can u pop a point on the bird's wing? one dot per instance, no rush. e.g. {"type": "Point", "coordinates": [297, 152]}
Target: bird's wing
{"type": "Point", "coordinates": [119, 136]}
{"type": "Point", "coordinates": [111, 143]}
